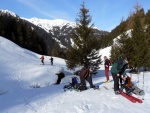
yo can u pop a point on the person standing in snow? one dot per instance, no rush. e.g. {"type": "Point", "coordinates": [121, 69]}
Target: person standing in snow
{"type": "Point", "coordinates": [106, 65]}
{"type": "Point", "coordinates": [86, 76]}
{"type": "Point", "coordinates": [42, 59]}
{"type": "Point", "coordinates": [118, 72]}
{"type": "Point", "coordinates": [51, 59]}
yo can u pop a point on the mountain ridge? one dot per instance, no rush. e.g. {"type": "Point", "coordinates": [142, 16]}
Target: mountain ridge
{"type": "Point", "coordinates": [53, 31]}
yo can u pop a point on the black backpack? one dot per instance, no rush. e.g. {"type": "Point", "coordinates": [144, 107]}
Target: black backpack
{"type": "Point", "coordinates": [119, 61]}
{"type": "Point", "coordinates": [110, 63]}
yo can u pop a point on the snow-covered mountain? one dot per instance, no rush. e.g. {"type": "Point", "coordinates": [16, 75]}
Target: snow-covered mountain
{"type": "Point", "coordinates": [53, 30]}
{"type": "Point", "coordinates": [26, 86]}
{"type": "Point", "coordinates": [48, 25]}
{"type": "Point", "coordinates": [8, 12]}
{"type": "Point", "coordinates": [60, 30]}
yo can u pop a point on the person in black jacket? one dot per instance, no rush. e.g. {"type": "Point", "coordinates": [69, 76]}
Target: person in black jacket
{"type": "Point", "coordinates": [60, 75]}
{"type": "Point", "coordinates": [51, 59]}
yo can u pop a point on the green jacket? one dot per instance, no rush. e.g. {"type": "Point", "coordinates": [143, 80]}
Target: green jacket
{"type": "Point", "coordinates": [121, 70]}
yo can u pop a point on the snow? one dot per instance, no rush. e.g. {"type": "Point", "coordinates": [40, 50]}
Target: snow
{"type": "Point", "coordinates": [8, 12]}
{"type": "Point", "coordinates": [105, 52]}
{"type": "Point", "coordinates": [49, 24]}
{"type": "Point", "coordinates": [26, 86]}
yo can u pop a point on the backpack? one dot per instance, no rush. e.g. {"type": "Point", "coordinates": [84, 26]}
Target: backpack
{"type": "Point", "coordinates": [110, 62]}
{"type": "Point", "coordinates": [75, 84]}
{"type": "Point", "coordinates": [119, 61]}
{"type": "Point", "coordinates": [74, 81]}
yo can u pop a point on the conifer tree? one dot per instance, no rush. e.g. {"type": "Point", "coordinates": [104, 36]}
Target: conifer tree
{"type": "Point", "coordinates": [138, 42]}
{"type": "Point", "coordinates": [122, 41]}
{"type": "Point", "coordinates": [56, 49]}
{"type": "Point", "coordinates": [120, 48]}
{"type": "Point", "coordinates": [85, 47]}
{"type": "Point", "coordinates": [147, 35]}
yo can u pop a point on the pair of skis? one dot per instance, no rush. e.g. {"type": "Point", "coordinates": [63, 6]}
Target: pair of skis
{"type": "Point", "coordinates": [129, 97]}
{"type": "Point", "coordinates": [70, 88]}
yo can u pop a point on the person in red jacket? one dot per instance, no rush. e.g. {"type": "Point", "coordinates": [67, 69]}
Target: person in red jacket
{"type": "Point", "coordinates": [42, 59]}
{"type": "Point", "coordinates": [106, 65]}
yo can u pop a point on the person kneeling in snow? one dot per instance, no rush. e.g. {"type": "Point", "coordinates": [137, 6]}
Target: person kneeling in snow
{"type": "Point", "coordinates": [130, 87]}
{"type": "Point", "coordinates": [85, 74]}
{"type": "Point", "coordinates": [60, 75]}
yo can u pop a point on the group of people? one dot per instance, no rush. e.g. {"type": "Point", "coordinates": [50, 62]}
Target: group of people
{"type": "Point", "coordinates": [117, 71]}
{"type": "Point", "coordinates": [42, 59]}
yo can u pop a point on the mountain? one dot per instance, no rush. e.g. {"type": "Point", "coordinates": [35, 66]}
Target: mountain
{"type": "Point", "coordinates": [60, 30]}
{"type": "Point", "coordinates": [2, 12]}
{"type": "Point", "coordinates": [52, 31]}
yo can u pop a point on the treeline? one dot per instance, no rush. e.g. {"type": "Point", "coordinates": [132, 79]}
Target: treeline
{"type": "Point", "coordinates": [134, 45]}
{"type": "Point", "coordinates": [14, 29]}
{"type": "Point", "coordinates": [107, 40]}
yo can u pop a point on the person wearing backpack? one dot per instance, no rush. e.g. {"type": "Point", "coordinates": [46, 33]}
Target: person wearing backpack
{"type": "Point", "coordinates": [118, 72]}
{"type": "Point", "coordinates": [106, 65]}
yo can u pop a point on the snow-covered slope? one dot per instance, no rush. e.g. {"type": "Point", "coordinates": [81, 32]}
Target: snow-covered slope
{"type": "Point", "coordinates": [21, 71]}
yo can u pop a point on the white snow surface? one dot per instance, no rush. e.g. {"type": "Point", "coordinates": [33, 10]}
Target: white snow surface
{"type": "Point", "coordinates": [21, 71]}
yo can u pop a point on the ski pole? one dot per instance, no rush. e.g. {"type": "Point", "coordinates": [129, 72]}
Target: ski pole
{"type": "Point", "coordinates": [145, 92]}
{"type": "Point", "coordinates": [143, 78]}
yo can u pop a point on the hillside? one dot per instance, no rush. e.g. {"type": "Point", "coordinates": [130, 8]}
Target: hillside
{"type": "Point", "coordinates": [21, 71]}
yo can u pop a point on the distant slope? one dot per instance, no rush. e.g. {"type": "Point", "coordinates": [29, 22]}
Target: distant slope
{"type": "Point", "coordinates": [22, 68]}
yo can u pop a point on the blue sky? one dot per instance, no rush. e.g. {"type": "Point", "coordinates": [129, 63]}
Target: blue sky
{"type": "Point", "coordinates": [106, 14]}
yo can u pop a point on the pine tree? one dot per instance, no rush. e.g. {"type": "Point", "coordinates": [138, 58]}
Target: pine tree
{"type": "Point", "coordinates": [56, 49]}
{"type": "Point", "coordinates": [122, 41]}
{"type": "Point", "coordinates": [120, 48]}
{"type": "Point", "coordinates": [147, 34]}
{"type": "Point", "coordinates": [114, 52]}
{"type": "Point", "coordinates": [85, 48]}
{"type": "Point", "coordinates": [138, 42]}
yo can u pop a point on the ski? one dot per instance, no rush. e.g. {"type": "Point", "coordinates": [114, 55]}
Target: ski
{"type": "Point", "coordinates": [105, 87]}
{"type": "Point", "coordinates": [70, 88]}
{"type": "Point", "coordinates": [137, 99]}
{"type": "Point", "coordinates": [131, 98]}
{"type": "Point", "coordinates": [127, 97]}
